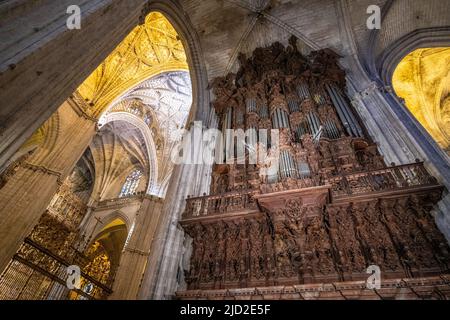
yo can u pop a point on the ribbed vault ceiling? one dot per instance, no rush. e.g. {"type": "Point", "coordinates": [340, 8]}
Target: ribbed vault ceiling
{"type": "Point", "coordinates": [162, 104]}
{"type": "Point", "coordinates": [150, 49]}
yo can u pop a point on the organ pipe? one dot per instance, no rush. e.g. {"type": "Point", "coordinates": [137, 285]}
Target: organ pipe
{"type": "Point", "coordinates": [351, 114]}
{"type": "Point", "coordinates": [280, 119]}
{"type": "Point", "coordinates": [314, 122]}
{"type": "Point", "coordinates": [331, 129]}
{"type": "Point", "coordinates": [303, 169]}
{"type": "Point", "coordinates": [345, 113]}
{"type": "Point", "coordinates": [287, 165]}
{"type": "Point", "coordinates": [339, 110]}
{"type": "Point", "coordinates": [264, 112]}
{"type": "Point", "coordinates": [293, 106]}
{"type": "Point", "coordinates": [227, 124]}
{"type": "Point", "coordinates": [303, 91]}
{"type": "Point", "coordinates": [251, 105]}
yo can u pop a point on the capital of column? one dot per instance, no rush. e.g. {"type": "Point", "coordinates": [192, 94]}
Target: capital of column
{"type": "Point", "coordinates": [140, 252]}
{"type": "Point", "coordinates": [368, 91]}
{"type": "Point", "coordinates": [371, 88]}
{"type": "Point", "coordinates": [43, 169]}
{"type": "Point", "coordinates": [80, 106]}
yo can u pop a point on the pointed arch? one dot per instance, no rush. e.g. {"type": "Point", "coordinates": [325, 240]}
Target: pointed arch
{"type": "Point", "coordinates": [115, 215]}
{"type": "Point", "coordinates": [385, 67]}
{"type": "Point", "coordinates": [174, 12]}
{"type": "Point", "coordinates": [149, 143]}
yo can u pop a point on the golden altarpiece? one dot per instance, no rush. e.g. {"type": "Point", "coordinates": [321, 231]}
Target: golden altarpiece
{"type": "Point", "coordinates": [42, 267]}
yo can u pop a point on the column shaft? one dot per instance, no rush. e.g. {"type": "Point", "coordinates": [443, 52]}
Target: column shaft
{"type": "Point", "coordinates": [26, 195]}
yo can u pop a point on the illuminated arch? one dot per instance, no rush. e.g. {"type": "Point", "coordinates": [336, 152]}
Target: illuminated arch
{"type": "Point", "coordinates": [382, 71]}
{"type": "Point", "coordinates": [151, 48]}
{"type": "Point", "coordinates": [422, 79]}
{"type": "Point", "coordinates": [108, 219]}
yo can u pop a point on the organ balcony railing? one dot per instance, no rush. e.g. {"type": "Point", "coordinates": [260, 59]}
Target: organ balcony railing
{"type": "Point", "coordinates": [397, 178]}
{"type": "Point", "coordinates": [382, 180]}
{"type": "Point", "coordinates": [223, 203]}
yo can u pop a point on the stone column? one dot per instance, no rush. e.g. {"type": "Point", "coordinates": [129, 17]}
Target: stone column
{"type": "Point", "coordinates": [26, 195]}
{"type": "Point", "coordinates": [133, 260]}
{"type": "Point", "coordinates": [160, 279]}
{"type": "Point", "coordinates": [400, 137]}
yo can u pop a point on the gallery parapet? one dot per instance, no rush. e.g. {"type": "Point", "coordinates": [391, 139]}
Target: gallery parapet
{"type": "Point", "coordinates": [373, 183]}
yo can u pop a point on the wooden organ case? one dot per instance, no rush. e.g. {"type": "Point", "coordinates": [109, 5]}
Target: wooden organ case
{"type": "Point", "coordinates": [330, 210]}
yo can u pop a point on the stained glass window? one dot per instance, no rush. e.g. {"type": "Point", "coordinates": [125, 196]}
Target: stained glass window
{"type": "Point", "coordinates": [148, 118]}
{"type": "Point", "coordinates": [131, 183]}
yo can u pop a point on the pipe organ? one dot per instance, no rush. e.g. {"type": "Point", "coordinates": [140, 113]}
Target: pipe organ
{"type": "Point", "coordinates": [330, 206]}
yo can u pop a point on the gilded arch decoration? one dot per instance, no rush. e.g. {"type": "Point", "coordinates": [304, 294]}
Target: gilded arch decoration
{"type": "Point", "coordinates": [422, 79]}
{"type": "Point", "coordinates": [382, 71]}
{"type": "Point", "coordinates": [150, 49]}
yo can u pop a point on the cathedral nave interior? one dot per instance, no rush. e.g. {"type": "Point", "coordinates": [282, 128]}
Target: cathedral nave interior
{"type": "Point", "coordinates": [353, 124]}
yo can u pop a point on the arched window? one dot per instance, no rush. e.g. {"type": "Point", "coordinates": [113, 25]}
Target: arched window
{"type": "Point", "coordinates": [131, 184]}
